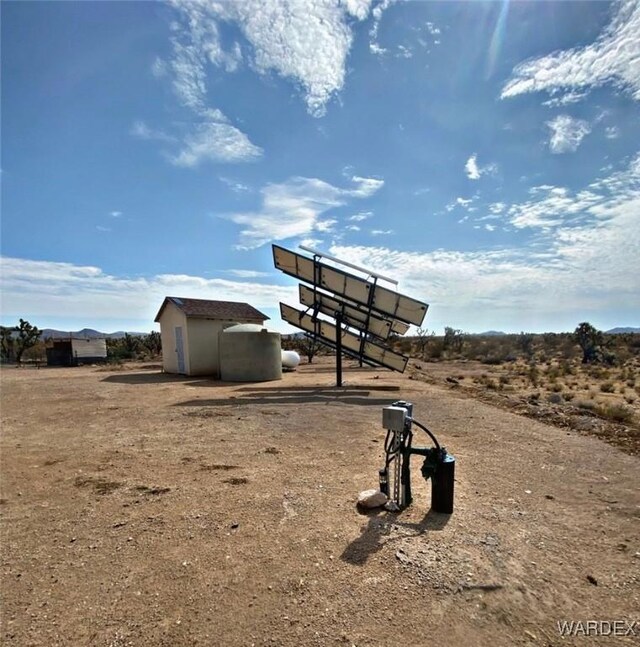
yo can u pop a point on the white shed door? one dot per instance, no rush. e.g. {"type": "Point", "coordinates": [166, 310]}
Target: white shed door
{"type": "Point", "coordinates": [180, 349]}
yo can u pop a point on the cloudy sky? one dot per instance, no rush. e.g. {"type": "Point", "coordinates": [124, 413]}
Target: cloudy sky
{"type": "Point", "coordinates": [485, 154]}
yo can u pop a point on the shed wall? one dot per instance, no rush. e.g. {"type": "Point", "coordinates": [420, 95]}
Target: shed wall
{"type": "Point", "coordinates": [89, 348]}
{"type": "Point", "coordinates": [203, 346]}
{"type": "Point", "coordinates": [172, 317]}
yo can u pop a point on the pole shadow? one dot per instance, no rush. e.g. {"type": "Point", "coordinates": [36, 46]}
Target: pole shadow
{"type": "Point", "coordinates": [377, 533]}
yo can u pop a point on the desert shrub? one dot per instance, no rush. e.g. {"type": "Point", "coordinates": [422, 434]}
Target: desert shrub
{"type": "Point", "coordinates": [630, 399]}
{"type": "Point", "coordinates": [607, 387]}
{"type": "Point", "coordinates": [585, 404]}
{"type": "Point", "coordinates": [533, 375]}
{"type": "Point", "coordinates": [565, 367]}
{"type": "Point", "coordinates": [492, 360]}
{"type": "Point", "coordinates": [568, 396]}
{"type": "Point", "coordinates": [556, 388]}
{"type": "Point", "coordinates": [553, 373]}
{"type": "Point", "coordinates": [554, 398]}
{"type": "Point", "coordinates": [504, 379]}
{"type": "Point", "coordinates": [615, 412]}
{"type": "Point", "coordinates": [435, 349]}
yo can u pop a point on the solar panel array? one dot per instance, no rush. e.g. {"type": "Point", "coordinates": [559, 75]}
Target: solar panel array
{"type": "Point", "coordinates": [365, 313]}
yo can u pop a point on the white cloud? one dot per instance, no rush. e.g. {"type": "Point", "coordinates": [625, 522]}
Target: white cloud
{"type": "Point", "coordinates": [141, 130]}
{"type": "Point", "coordinates": [612, 132]}
{"type": "Point", "coordinates": [210, 138]}
{"type": "Point", "coordinates": [115, 214]}
{"type": "Point", "coordinates": [246, 274]}
{"type": "Point", "coordinates": [236, 187]}
{"type": "Point", "coordinates": [159, 68]}
{"type": "Point", "coordinates": [567, 133]}
{"type": "Point", "coordinates": [374, 46]}
{"type": "Point", "coordinates": [359, 217]}
{"type": "Point", "coordinates": [565, 99]}
{"type": "Point", "coordinates": [475, 172]}
{"type": "Point", "coordinates": [613, 58]}
{"type": "Point", "coordinates": [381, 232]}
{"type": "Point", "coordinates": [101, 228]}
{"type": "Point", "coordinates": [294, 209]}
{"type": "Point", "coordinates": [471, 167]}
{"type": "Point", "coordinates": [366, 186]}
{"type": "Point", "coordinates": [217, 142]}
{"type": "Point", "coordinates": [305, 42]}
{"type": "Point", "coordinates": [556, 209]}
{"type": "Point", "coordinates": [586, 244]}
{"type": "Point", "coordinates": [50, 289]}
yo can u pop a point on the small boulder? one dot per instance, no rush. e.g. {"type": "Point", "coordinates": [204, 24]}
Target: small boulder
{"type": "Point", "coordinates": [371, 499]}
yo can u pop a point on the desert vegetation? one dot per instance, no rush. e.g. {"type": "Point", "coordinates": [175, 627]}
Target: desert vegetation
{"type": "Point", "coordinates": [583, 379]}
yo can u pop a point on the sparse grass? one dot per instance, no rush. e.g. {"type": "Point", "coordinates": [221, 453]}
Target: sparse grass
{"type": "Point", "coordinates": [100, 485]}
{"type": "Point", "coordinates": [615, 412]}
{"type": "Point", "coordinates": [607, 387]}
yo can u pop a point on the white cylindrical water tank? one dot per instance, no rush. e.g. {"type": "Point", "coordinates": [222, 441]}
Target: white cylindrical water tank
{"type": "Point", "coordinates": [290, 359]}
{"type": "Point", "coordinates": [250, 353]}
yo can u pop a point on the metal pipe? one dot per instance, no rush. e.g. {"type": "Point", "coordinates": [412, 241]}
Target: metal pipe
{"type": "Point", "coordinates": [351, 265]}
{"type": "Point", "coordinates": [435, 440]}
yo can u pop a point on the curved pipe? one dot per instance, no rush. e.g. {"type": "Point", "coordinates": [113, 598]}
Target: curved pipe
{"type": "Point", "coordinates": [435, 440]}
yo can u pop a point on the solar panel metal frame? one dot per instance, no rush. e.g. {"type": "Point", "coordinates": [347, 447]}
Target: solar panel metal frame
{"type": "Point", "coordinates": [384, 301]}
{"type": "Point", "coordinates": [328, 304]}
{"type": "Point", "coordinates": [327, 331]}
{"type": "Point", "coordinates": [352, 315]}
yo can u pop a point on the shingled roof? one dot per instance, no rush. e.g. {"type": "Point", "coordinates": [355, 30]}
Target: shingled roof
{"type": "Point", "coordinates": [207, 309]}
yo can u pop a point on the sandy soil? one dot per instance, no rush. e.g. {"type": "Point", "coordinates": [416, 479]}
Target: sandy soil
{"type": "Point", "coordinates": [145, 509]}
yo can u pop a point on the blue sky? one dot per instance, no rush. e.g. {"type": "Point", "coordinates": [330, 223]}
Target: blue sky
{"type": "Point", "coordinates": [485, 154]}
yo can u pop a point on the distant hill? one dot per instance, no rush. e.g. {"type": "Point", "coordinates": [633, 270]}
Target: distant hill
{"type": "Point", "coordinates": [491, 333]}
{"type": "Point", "coordinates": [85, 333]}
{"type": "Point", "coordinates": [618, 331]}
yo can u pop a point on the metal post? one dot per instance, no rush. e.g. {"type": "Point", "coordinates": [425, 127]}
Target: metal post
{"type": "Point", "coordinates": [338, 349]}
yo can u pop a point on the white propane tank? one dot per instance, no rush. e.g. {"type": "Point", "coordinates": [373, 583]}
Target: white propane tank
{"type": "Point", "coordinates": [290, 359]}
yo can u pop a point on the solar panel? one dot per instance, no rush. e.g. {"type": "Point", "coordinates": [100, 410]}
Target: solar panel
{"type": "Point", "coordinates": [328, 305]}
{"type": "Point", "coordinates": [327, 332]}
{"type": "Point", "coordinates": [352, 315]}
{"type": "Point", "coordinates": [370, 295]}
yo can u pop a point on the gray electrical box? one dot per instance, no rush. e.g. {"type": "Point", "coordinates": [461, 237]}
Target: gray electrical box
{"type": "Point", "coordinates": [394, 418]}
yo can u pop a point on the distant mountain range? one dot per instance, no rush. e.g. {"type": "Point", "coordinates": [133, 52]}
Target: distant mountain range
{"type": "Point", "coordinates": [89, 333]}
{"type": "Point", "coordinates": [613, 331]}
{"type": "Point", "coordinates": [86, 333]}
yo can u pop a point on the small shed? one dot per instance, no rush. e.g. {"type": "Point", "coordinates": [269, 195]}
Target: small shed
{"type": "Point", "coordinates": [190, 331]}
{"type": "Point", "coordinates": [73, 351]}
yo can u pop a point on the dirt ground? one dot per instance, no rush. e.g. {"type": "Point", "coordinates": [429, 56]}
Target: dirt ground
{"type": "Point", "coordinates": [147, 509]}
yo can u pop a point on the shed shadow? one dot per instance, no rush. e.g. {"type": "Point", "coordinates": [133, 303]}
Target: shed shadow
{"type": "Point", "coordinates": [160, 378]}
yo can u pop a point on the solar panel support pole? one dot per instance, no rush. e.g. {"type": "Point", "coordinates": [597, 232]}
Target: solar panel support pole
{"type": "Point", "coordinates": [338, 349]}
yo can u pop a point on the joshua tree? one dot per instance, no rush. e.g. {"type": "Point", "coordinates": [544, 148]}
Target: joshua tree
{"type": "Point", "coordinates": [590, 341]}
{"type": "Point", "coordinates": [27, 337]}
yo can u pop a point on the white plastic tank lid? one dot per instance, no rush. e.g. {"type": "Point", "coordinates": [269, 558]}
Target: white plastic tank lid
{"type": "Point", "coordinates": [246, 327]}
